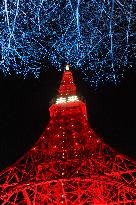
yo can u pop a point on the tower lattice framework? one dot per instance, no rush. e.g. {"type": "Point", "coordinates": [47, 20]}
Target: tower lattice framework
{"type": "Point", "coordinates": [69, 164]}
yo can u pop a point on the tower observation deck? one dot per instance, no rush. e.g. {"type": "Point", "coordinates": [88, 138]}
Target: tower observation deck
{"type": "Point", "coordinates": [69, 164]}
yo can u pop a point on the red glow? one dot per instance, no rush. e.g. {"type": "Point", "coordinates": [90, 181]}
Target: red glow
{"type": "Point", "coordinates": [69, 171]}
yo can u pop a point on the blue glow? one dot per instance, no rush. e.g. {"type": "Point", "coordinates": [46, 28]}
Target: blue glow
{"type": "Point", "coordinates": [97, 37]}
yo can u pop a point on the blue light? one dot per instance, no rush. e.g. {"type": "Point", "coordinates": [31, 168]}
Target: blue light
{"type": "Point", "coordinates": [96, 37]}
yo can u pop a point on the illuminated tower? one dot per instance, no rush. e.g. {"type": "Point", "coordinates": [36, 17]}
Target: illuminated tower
{"type": "Point", "coordinates": [69, 164]}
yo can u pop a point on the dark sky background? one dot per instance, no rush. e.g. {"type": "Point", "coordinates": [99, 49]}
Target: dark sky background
{"type": "Point", "coordinates": [24, 112]}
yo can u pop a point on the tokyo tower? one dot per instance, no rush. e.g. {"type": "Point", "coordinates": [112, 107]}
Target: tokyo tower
{"type": "Point", "coordinates": [69, 164]}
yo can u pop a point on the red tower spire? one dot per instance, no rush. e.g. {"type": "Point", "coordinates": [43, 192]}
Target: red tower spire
{"type": "Point", "coordinates": [67, 86]}
{"type": "Point", "coordinates": [69, 164]}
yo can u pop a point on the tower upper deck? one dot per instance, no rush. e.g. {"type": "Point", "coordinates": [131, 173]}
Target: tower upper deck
{"type": "Point", "coordinates": [67, 99]}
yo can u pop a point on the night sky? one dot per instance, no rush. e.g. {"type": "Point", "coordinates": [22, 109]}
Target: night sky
{"type": "Point", "coordinates": [24, 111]}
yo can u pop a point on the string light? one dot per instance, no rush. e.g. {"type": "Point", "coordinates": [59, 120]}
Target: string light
{"type": "Point", "coordinates": [61, 32]}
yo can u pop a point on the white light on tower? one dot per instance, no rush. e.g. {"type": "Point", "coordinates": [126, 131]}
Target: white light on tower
{"type": "Point", "coordinates": [67, 67]}
{"type": "Point", "coordinates": [68, 99]}
{"type": "Point", "coordinates": [60, 100]}
{"type": "Point", "coordinates": [72, 98]}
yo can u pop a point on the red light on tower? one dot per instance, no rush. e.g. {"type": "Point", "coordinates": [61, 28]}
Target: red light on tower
{"type": "Point", "coordinates": [72, 165]}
